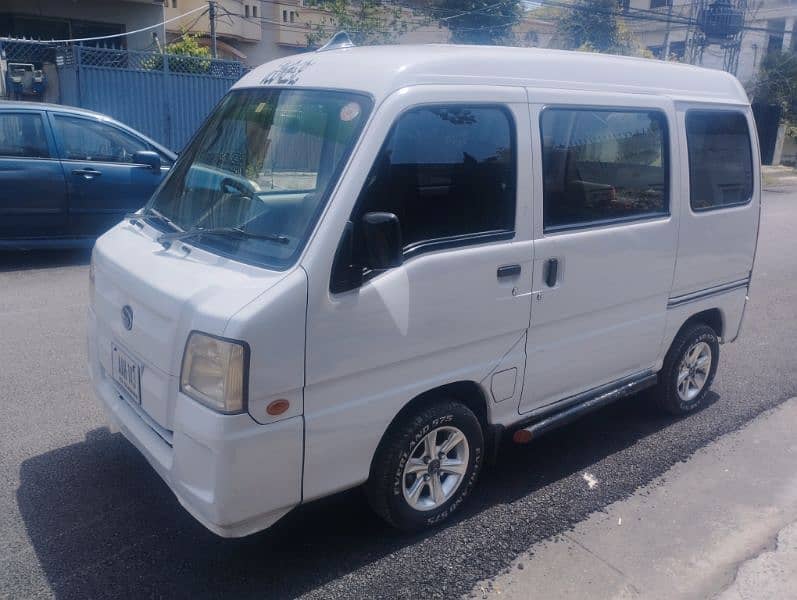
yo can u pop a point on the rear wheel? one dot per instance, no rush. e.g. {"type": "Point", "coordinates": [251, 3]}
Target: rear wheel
{"type": "Point", "coordinates": [688, 370]}
{"type": "Point", "coordinates": [426, 466]}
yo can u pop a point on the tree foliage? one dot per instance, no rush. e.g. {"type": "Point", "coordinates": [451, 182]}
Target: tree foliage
{"type": "Point", "coordinates": [366, 21]}
{"type": "Point", "coordinates": [187, 45]}
{"type": "Point", "coordinates": [776, 83]}
{"type": "Point", "coordinates": [476, 21]}
{"type": "Point", "coordinates": [593, 25]}
{"type": "Point", "coordinates": [197, 57]}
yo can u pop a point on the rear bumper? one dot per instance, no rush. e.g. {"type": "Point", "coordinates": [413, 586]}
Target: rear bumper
{"type": "Point", "coordinates": [232, 474]}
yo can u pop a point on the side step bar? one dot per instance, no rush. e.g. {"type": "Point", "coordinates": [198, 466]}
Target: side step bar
{"type": "Point", "coordinates": [593, 401]}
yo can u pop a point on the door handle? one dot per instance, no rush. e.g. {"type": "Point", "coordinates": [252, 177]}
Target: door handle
{"type": "Point", "coordinates": [551, 271]}
{"type": "Point", "coordinates": [508, 271]}
{"type": "Point", "coordinates": [87, 173]}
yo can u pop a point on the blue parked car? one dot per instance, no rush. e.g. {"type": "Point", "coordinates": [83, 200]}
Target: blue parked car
{"type": "Point", "coordinates": [67, 174]}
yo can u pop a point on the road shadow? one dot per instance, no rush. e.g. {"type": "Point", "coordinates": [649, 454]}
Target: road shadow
{"type": "Point", "coordinates": [24, 260]}
{"type": "Point", "coordinates": [103, 525]}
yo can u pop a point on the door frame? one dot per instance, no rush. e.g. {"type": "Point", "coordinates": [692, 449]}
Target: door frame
{"type": "Point", "coordinates": [539, 100]}
{"type": "Point", "coordinates": [341, 394]}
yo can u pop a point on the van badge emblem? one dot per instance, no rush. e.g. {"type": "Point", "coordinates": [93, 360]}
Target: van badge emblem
{"type": "Point", "coordinates": [127, 317]}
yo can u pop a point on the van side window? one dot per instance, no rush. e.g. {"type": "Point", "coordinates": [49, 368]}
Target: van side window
{"type": "Point", "coordinates": [602, 165]}
{"type": "Point", "coordinates": [22, 136]}
{"type": "Point", "coordinates": [720, 159]}
{"type": "Point", "coordinates": [448, 173]}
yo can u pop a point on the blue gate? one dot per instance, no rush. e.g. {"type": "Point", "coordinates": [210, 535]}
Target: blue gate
{"type": "Point", "coordinates": [164, 96]}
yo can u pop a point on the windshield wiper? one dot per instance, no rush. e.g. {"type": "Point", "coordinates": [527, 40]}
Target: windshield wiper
{"type": "Point", "coordinates": [167, 238]}
{"type": "Point", "coordinates": [151, 213]}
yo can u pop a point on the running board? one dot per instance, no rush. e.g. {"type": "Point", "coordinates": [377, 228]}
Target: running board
{"type": "Point", "coordinates": [592, 401]}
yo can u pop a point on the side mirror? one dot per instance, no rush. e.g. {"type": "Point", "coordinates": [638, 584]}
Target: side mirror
{"type": "Point", "coordinates": [382, 240]}
{"type": "Point", "coordinates": [148, 158]}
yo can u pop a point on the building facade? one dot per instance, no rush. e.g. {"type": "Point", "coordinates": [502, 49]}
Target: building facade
{"type": "Point", "coordinates": [69, 19]}
{"type": "Point", "coordinates": [256, 31]}
{"type": "Point", "coordinates": [769, 26]}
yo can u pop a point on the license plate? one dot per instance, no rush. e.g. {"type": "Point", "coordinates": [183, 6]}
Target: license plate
{"type": "Point", "coordinates": [126, 372]}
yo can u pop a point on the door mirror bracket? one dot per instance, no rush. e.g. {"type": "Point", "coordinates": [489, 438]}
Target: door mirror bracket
{"type": "Point", "coordinates": [346, 273]}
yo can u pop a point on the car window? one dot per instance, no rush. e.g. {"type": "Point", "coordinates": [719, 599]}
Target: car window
{"type": "Point", "coordinates": [602, 165]}
{"type": "Point", "coordinates": [22, 135]}
{"type": "Point", "coordinates": [720, 159]}
{"type": "Point", "coordinates": [446, 172]}
{"type": "Point", "coordinates": [84, 139]}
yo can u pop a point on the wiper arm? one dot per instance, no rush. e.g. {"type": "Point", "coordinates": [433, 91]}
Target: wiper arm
{"type": "Point", "coordinates": [151, 213]}
{"type": "Point", "coordinates": [167, 238]}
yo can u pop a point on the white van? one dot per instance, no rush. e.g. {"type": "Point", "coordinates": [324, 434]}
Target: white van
{"type": "Point", "coordinates": [370, 263]}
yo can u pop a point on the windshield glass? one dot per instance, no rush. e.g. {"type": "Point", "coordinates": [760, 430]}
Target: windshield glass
{"type": "Point", "coordinates": [264, 162]}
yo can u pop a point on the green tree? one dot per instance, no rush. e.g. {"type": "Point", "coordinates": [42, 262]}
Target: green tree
{"type": "Point", "coordinates": [197, 57]}
{"type": "Point", "coordinates": [776, 83]}
{"type": "Point", "coordinates": [366, 21]}
{"type": "Point", "coordinates": [593, 25]}
{"type": "Point", "coordinates": [476, 21]}
{"type": "Point", "coordinates": [187, 45]}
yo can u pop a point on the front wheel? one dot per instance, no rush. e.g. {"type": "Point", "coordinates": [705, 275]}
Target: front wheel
{"type": "Point", "coordinates": [426, 466]}
{"type": "Point", "coordinates": [689, 369]}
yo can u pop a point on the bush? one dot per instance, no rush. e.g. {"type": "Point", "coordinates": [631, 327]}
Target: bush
{"type": "Point", "coordinates": [186, 55]}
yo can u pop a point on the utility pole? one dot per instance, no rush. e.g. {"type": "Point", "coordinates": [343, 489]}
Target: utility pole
{"type": "Point", "coordinates": [665, 51]}
{"type": "Point", "coordinates": [212, 17]}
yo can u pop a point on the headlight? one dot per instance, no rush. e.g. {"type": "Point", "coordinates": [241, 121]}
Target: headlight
{"type": "Point", "coordinates": [214, 372]}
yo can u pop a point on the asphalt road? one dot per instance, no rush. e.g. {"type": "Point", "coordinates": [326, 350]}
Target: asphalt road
{"type": "Point", "coordinates": [83, 515]}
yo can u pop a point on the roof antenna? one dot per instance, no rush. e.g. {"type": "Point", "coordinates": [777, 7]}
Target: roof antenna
{"type": "Point", "coordinates": [340, 40]}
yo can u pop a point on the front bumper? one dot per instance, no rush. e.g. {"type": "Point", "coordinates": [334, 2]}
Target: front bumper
{"type": "Point", "coordinates": [233, 475]}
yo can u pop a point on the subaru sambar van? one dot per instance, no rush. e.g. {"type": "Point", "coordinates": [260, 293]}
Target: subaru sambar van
{"type": "Point", "coordinates": [370, 264]}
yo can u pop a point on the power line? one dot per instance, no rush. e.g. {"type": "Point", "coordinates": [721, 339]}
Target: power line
{"type": "Point", "coordinates": [116, 35]}
{"type": "Point", "coordinates": [637, 14]}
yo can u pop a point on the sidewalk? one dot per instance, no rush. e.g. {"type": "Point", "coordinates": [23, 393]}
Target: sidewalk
{"type": "Point", "coordinates": [778, 176]}
{"type": "Point", "coordinates": [722, 524]}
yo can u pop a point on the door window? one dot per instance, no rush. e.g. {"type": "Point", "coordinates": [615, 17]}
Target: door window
{"type": "Point", "coordinates": [22, 136]}
{"type": "Point", "coordinates": [448, 173]}
{"type": "Point", "coordinates": [602, 165]}
{"type": "Point", "coordinates": [720, 159]}
{"type": "Point", "coordinates": [84, 139]}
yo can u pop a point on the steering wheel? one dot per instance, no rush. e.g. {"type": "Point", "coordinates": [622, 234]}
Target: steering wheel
{"type": "Point", "coordinates": [230, 185]}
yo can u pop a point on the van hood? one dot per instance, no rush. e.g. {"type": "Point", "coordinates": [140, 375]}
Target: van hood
{"type": "Point", "coordinates": [170, 292]}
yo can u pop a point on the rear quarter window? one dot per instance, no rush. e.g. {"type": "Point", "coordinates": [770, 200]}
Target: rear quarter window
{"type": "Point", "coordinates": [720, 159]}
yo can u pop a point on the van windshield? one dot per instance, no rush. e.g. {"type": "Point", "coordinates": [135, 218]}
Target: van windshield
{"type": "Point", "coordinates": [262, 164]}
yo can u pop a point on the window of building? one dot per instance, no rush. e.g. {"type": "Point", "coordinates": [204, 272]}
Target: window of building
{"type": "Point", "coordinates": [448, 174]}
{"type": "Point", "coordinates": [720, 159]}
{"type": "Point", "coordinates": [246, 10]}
{"type": "Point", "coordinates": [284, 16]}
{"type": "Point", "coordinates": [602, 165]}
{"type": "Point", "coordinates": [87, 140]}
{"type": "Point", "coordinates": [174, 3]}
{"type": "Point", "coordinates": [293, 16]}
{"type": "Point", "coordinates": [254, 10]}
{"type": "Point", "coordinates": [660, 3]}
{"type": "Point", "coordinates": [22, 136]}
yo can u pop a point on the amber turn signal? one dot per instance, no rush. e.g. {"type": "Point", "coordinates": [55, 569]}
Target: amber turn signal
{"type": "Point", "coordinates": [522, 436]}
{"type": "Point", "coordinates": [277, 407]}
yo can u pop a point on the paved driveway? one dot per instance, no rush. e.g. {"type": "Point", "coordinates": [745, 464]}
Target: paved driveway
{"type": "Point", "coordinates": [83, 515]}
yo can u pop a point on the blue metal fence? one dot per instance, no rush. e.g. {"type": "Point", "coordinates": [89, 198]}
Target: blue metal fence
{"type": "Point", "coordinates": [164, 96]}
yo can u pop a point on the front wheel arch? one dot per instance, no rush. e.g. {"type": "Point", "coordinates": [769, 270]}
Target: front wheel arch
{"type": "Point", "coordinates": [466, 392]}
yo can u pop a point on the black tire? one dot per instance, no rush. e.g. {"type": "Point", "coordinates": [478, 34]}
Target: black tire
{"type": "Point", "coordinates": [385, 487]}
{"type": "Point", "coordinates": [666, 391]}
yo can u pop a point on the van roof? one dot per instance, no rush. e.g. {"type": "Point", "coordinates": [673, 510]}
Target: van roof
{"type": "Point", "coordinates": [381, 70]}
